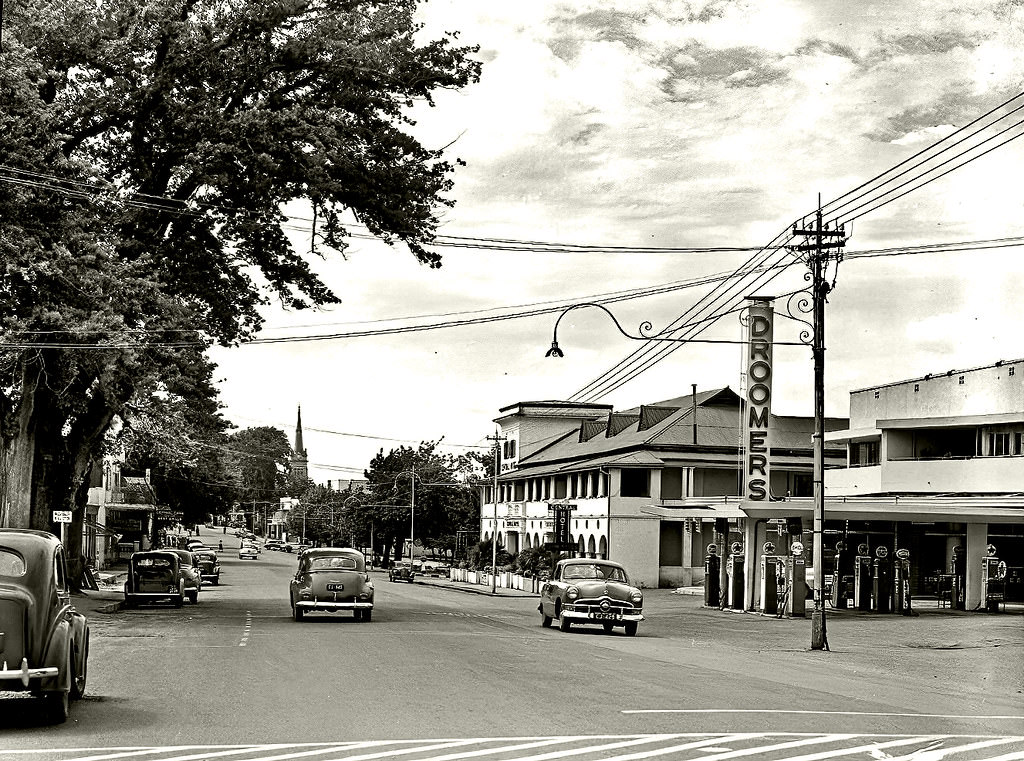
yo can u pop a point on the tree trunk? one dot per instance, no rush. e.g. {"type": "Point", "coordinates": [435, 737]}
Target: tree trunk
{"type": "Point", "coordinates": [19, 458]}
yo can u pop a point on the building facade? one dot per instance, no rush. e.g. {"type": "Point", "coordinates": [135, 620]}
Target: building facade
{"type": "Point", "coordinates": [645, 485]}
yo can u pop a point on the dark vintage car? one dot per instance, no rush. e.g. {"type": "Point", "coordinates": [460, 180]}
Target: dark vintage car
{"type": "Point", "coordinates": [191, 573]}
{"type": "Point", "coordinates": [587, 591]}
{"type": "Point", "coordinates": [332, 579]}
{"type": "Point", "coordinates": [401, 572]}
{"type": "Point", "coordinates": [155, 575]}
{"type": "Point", "coordinates": [44, 641]}
{"type": "Point", "coordinates": [209, 565]}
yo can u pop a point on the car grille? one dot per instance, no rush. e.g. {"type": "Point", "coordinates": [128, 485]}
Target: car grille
{"type": "Point", "coordinates": [604, 605]}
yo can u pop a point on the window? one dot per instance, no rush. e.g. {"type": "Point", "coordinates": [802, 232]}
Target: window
{"type": "Point", "coordinates": [636, 482]}
{"type": "Point", "coordinates": [998, 444]}
{"type": "Point", "coordinates": [11, 563]}
{"type": "Point", "coordinates": [876, 395]}
{"type": "Point", "coordinates": [961, 380]}
{"type": "Point", "coordinates": [1018, 440]}
{"type": "Point", "coordinates": [917, 387]}
{"type": "Point", "coordinates": [1011, 372]}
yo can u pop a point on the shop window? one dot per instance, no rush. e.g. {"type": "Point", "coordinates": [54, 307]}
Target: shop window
{"type": "Point", "coordinates": [636, 482]}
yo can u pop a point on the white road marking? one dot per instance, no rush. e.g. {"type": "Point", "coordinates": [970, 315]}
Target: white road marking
{"type": "Point", "coordinates": [940, 753]}
{"type": "Point", "coordinates": [778, 746]}
{"type": "Point", "coordinates": [247, 630]}
{"type": "Point", "coordinates": [1010, 717]}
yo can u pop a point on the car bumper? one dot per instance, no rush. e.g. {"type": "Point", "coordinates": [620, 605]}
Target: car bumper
{"type": "Point", "coordinates": [584, 617]}
{"type": "Point", "coordinates": [24, 674]}
{"type": "Point", "coordinates": [331, 605]}
{"type": "Point", "coordinates": [154, 595]}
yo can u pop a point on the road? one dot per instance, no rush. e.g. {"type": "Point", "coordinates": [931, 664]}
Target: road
{"type": "Point", "coordinates": [440, 674]}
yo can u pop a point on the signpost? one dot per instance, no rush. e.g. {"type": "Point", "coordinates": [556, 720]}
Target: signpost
{"type": "Point", "coordinates": [63, 517]}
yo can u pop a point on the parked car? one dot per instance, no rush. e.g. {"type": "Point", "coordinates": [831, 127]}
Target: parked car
{"type": "Point", "coordinates": [296, 547]}
{"type": "Point", "coordinates": [274, 544]}
{"type": "Point", "coordinates": [154, 575]}
{"type": "Point", "coordinates": [44, 641]}
{"type": "Point", "coordinates": [587, 591]}
{"type": "Point", "coordinates": [401, 572]}
{"type": "Point", "coordinates": [191, 573]}
{"type": "Point", "coordinates": [331, 579]}
{"type": "Point", "coordinates": [247, 552]}
{"type": "Point", "coordinates": [209, 565]}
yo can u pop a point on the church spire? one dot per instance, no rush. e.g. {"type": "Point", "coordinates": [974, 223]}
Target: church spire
{"type": "Point", "coordinates": [300, 463]}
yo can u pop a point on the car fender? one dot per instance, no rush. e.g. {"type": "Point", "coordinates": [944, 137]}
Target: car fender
{"type": "Point", "coordinates": [56, 654]}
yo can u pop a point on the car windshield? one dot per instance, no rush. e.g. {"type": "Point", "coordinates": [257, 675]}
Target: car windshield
{"type": "Point", "coordinates": [332, 564]}
{"type": "Point", "coordinates": [594, 571]}
{"type": "Point", "coordinates": [11, 563]}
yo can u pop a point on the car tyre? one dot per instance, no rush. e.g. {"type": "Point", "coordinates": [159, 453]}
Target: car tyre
{"type": "Point", "coordinates": [631, 628]}
{"type": "Point", "coordinates": [608, 626]}
{"type": "Point", "coordinates": [564, 624]}
{"type": "Point", "coordinates": [194, 598]}
{"type": "Point", "coordinates": [367, 615]}
{"type": "Point", "coordinates": [58, 705]}
{"type": "Point", "coordinates": [545, 621]}
{"type": "Point", "coordinates": [179, 599]}
{"type": "Point", "coordinates": [216, 581]}
{"type": "Point", "coordinates": [296, 612]}
{"type": "Point", "coordinates": [78, 679]}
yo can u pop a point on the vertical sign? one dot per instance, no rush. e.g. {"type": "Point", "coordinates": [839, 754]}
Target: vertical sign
{"type": "Point", "coordinates": [757, 433]}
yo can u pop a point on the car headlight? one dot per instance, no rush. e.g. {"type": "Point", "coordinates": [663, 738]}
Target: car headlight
{"type": "Point", "coordinates": [636, 596]}
{"type": "Point", "coordinates": [572, 593]}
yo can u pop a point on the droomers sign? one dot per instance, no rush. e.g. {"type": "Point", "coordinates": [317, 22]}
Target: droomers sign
{"type": "Point", "coordinates": [757, 424]}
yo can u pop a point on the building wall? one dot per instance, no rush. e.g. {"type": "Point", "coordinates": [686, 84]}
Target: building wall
{"type": "Point", "coordinates": [987, 390]}
{"type": "Point", "coordinates": [633, 541]}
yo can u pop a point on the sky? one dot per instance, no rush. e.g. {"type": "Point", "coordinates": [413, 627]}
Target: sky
{"type": "Point", "coordinates": [623, 124]}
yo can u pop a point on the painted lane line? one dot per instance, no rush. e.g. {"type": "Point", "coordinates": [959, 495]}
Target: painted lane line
{"type": "Point", "coordinates": [687, 746]}
{"type": "Point", "coordinates": [257, 749]}
{"type": "Point", "coordinates": [778, 746]}
{"type": "Point", "coordinates": [1017, 756]}
{"type": "Point", "coordinates": [508, 748]}
{"type": "Point", "coordinates": [247, 629]}
{"type": "Point", "coordinates": [872, 749]}
{"type": "Point", "coordinates": [364, 756]}
{"type": "Point", "coordinates": [940, 753]}
{"type": "Point", "coordinates": [1010, 717]}
{"type": "Point", "coordinates": [600, 748]}
{"type": "Point", "coordinates": [127, 753]}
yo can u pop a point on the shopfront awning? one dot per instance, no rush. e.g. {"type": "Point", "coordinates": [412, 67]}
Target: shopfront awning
{"type": "Point", "coordinates": [920, 509]}
{"type": "Point", "coordinates": [678, 510]}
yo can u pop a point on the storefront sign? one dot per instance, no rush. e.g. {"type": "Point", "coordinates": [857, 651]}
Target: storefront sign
{"type": "Point", "coordinates": [512, 523]}
{"type": "Point", "coordinates": [757, 423]}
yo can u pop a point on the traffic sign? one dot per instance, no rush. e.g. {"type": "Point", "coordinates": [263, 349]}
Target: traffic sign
{"type": "Point", "coordinates": [62, 516]}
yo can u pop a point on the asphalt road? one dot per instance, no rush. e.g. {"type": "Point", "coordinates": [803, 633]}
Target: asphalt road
{"type": "Point", "coordinates": [440, 674]}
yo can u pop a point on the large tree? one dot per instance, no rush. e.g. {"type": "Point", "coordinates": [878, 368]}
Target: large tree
{"type": "Point", "coordinates": [147, 152]}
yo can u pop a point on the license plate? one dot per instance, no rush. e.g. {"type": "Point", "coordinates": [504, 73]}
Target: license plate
{"type": "Point", "coordinates": [606, 616]}
{"type": "Point", "coordinates": [335, 587]}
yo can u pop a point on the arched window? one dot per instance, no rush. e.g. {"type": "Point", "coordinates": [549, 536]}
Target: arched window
{"type": "Point", "coordinates": [591, 546]}
{"type": "Point", "coordinates": [581, 548]}
{"type": "Point", "coordinates": [603, 548]}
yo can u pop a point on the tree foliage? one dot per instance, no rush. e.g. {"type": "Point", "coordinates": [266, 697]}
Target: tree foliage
{"type": "Point", "coordinates": [146, 153]}
{"type": "Point", "coordinates": [445, 501]}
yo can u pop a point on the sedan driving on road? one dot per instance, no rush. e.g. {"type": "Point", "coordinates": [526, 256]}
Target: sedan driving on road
{"type": "Point", "coordinates": [332, 579]}
{"type": "Point", "coordinates": [587, 591]}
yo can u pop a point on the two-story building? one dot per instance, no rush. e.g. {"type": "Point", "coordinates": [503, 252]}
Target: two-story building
{"type": "Point", "coordinates": [934, 465]}
{"type": "Point", "coordinates": [646, 484]}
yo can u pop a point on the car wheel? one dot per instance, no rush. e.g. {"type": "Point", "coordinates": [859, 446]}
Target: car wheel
{"type": "Point", "coordinates": [367, 615]}
{"type": "Point", "coordinates": [58, 705]}
{"type": "Point", "coordinates": [631, 628]}
{"type": "Point", "coordinates": [564, 624]}
{"type": "Point", "coordinates": [194, 598]}
{"type": "Point", "coordinates": [296, 612]}
{"type": "Point", "coordinates": [545, 621]}
{"type": "Point", "coordinates": [78, 677]}
{"type": "Point", "coordinates": [608, 627]}
{"type": "Point", "coordinates": [216, 581]}
{"type": "Point", "coordinates": [179, 599]}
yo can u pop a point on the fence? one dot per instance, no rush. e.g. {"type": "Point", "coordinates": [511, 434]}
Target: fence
{"type": "Point", "coordinates": [504, 580]}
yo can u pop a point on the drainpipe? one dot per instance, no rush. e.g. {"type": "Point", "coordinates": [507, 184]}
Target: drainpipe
{"type": "Point", "coordinates": [694, 387]}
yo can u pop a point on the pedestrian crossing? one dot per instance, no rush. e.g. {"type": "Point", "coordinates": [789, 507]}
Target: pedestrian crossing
{"type": "Point", "coordinates": [750, 746]}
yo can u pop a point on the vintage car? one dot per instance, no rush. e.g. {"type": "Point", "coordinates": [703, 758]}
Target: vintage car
{"type": "Point", "coordinates": [588, 591]}
{"type": "Point", "coordinates": [401, 572]}
{"type": "Point", "coordinates": [155, 575]}
{"type": "Point", "coordinates": [247, 552]}
{"type": "Point", "coordinates": [191, 573]}
{"type": "Point", "coordinates": [209, 565]}
{"type": "Point", "coordinates": [274, 544]}
{"type": "Point", "coordinates": [44, 641]}
{"type": "Point", "coordinates": [332, 579]}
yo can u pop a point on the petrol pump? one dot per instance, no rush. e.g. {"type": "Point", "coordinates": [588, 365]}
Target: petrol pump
{"type": "Point", "coordinates": [993, 581]}
{"type": "Point", "coordinates": [734, 567]}
{"type": "Point", "coordinates": [842, 581]}
{"type": "Point", "coordinates": [901, 568]}
{"type": "Point", "coordinates": [712, 594]}
{"type": "Point", "coordinates": [862, 578]}
{"type": "Point", "coordinates": [958, 569]}
{"type": "Point", "coordinates": [796, 581]}
{"type": "Point", "coordinates": [773, 579]}
{"type": "Point", "coordinates": [881, 586]}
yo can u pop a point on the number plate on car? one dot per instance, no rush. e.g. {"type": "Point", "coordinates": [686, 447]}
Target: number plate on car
{"type": "Point", "coordinates": [335, 587]}
{"type": "Point", "coordinates": [606, 616]}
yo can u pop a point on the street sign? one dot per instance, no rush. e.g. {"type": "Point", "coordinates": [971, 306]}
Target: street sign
{"type": "Point", "coordinates": [62, 516]}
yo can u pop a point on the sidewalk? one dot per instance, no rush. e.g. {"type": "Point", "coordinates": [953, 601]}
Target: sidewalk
{"type": "Point", "coordinates": [476, 589]}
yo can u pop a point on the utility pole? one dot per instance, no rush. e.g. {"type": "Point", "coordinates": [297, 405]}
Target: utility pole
{"type": "Point", "coordinates": [818, 255]}
{"type": "Point", "coordinates": [494, 498]}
